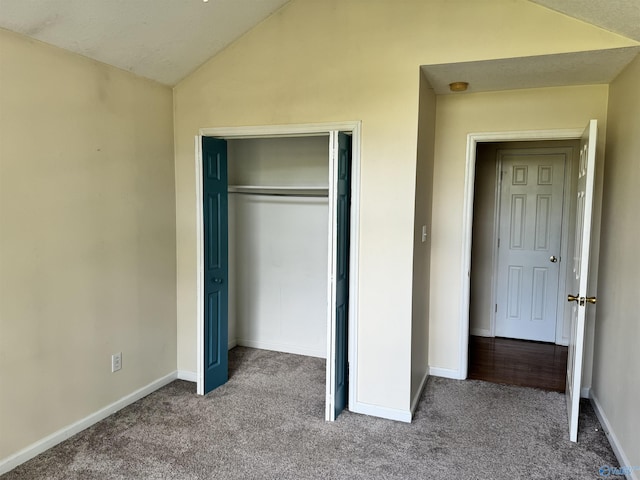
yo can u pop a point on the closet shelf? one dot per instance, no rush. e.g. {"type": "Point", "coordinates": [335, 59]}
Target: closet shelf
{"type": "Point", "coordinates": [280, 191]}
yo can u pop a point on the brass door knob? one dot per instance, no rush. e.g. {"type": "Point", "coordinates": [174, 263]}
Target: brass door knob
{"type": "Point", "coordinates": [592, 300]}
{"type": "Point", "coordinates": [572, 298]}
{"type": "Point", "coordinates": [553, 259]}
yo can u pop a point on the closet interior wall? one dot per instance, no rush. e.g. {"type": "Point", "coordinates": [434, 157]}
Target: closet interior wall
{"type": "Point", "coordinates": [278, 243]}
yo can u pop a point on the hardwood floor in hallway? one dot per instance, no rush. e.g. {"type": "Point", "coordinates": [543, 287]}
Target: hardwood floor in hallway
{"type": "Point", "coordinates": [518, 362]}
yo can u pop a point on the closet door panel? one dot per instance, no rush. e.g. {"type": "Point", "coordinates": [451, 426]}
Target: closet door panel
{"type": "Point", "coordinates": [215, 211]}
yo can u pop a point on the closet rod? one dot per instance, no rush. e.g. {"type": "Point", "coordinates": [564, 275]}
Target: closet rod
{"type": "Point", "coordinates": [272, 194]}
{"type": "Point", "coordinates": [280, 190]}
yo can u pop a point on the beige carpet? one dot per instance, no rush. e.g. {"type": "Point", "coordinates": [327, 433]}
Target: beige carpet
{"type": "Point", "coordinates": [267, 423]}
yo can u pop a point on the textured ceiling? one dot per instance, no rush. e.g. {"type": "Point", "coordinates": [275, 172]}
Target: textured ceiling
{"type": "Point", "coordinates": [577, 68]}
{"type": "Point", "coordinates": [619, 16]}
{"type": "Point", "coordinates": [163, 40]}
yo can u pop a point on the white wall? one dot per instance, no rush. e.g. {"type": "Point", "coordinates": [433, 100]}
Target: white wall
{"type": "Point", "coordinates": [291, 161]}
{"type": "Point", "coordinates": [325, 61]}
{"type": "Point", "coordinates": [278, 246]}
{"type": "Point", "coordinates": [616, 368]}
{"type": "Point", "coordinates": [87, 238]}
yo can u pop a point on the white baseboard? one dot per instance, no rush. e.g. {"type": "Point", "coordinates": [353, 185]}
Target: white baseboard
{"type": "Point", "coordinates": [613, 440]}
{"type": "Point", "coordinates": [585, 393]}
{"type": "Point", "coordinates": [381, 412]}
{"type": "Point", "coordinates": [232, 343]}
{"type": "Point", "coordinates": [445, 372]}
{"type": "Point", "coordinates": [416, 397]}
{"type": "Point", "coordinates": [187, 376]}
{"type": "Point", "coordinates": [480, 332]}
{"type": "Point", "coordinates": [27, 453]}
{"type": "Point", "coordinates": [282, 347]}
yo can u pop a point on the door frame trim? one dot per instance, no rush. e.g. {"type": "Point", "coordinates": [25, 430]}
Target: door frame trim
{"type": "Point", "coordinates": [467, 218]}
{"type": "Point", "coordinates": [275, 131]}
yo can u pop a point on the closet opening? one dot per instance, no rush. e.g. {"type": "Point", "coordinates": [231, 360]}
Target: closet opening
{"type": "Point", "coordinates": [277, 255]}
{"type": "Point", "coordinates": [278, 242]}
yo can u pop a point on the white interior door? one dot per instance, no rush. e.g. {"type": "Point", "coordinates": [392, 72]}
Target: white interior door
{"type": "Point", "coordinates": [530, 237]}
{"type": "Point", "coordinates": [580, 276]}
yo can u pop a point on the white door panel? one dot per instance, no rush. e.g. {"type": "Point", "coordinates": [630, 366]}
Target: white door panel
{"type": "Point", "coordinates": [530, 234]}
{"type": "Point", "coordinates": [579, 283]}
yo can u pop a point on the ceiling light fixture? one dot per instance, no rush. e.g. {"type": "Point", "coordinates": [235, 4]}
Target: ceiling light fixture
{"type": "Point", "coordinates": [458, 86]}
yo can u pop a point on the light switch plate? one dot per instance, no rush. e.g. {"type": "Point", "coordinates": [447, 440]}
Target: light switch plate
{"type": "Point", "coordinates": [116, 362]}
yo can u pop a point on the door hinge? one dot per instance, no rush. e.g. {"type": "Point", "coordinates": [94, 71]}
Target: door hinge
{"type": "Point", "coordinates": [498, 243]}
{"type": "Point", "coordinates": [496, 310]}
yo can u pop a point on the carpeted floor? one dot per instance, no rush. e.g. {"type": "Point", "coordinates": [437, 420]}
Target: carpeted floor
{"type": "Point", "coordinates": [267, 422]}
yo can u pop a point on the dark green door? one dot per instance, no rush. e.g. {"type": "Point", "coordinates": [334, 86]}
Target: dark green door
{"type": "Point", "coordinates": [343, 206]}
{"type": "Point", "coordinates": [216, 290]}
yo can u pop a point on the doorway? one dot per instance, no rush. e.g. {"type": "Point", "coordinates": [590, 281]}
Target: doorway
{"type": "Point", "coordinates": [341, 276]}
{"type": "Point", "coordinates": [520, 239]}
{"type": "Point", "coordinates": [473, 141]}
{"type": "Point", "coordinates": [582, 211]}
{"type": "Point", "coordinates": [519, 262]}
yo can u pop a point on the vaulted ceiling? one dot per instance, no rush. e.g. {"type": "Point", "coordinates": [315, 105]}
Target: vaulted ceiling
{"type": "Point", "coordinates": [165, 40]}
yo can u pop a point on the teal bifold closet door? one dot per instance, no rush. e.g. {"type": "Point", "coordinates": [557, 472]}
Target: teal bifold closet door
{"type": "Point", "coordinates": [343, 206]}
{"type": "Point", "coordinates": [216, 268]}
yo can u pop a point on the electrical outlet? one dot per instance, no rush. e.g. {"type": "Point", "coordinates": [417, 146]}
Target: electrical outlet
{"type": "Point", "coordinates": [116, 362]}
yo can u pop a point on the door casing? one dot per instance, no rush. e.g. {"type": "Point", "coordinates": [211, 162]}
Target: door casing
{"type": "Point", "coordinates": [294, 130]}
{"type": "Point", "coordinates": [467, 217]}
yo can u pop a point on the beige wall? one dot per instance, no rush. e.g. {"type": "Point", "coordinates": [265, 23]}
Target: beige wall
{"type": "Point", "coordinates": [422, 250]}
{"type": "Point", "coordinates": [616, 367]}
{"type": "Point", "coordinates": [358, 60]}
{"type": "Point", "coordinates": [457, 116]}
{"type": "Point", "coordinates": [87, 239]}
